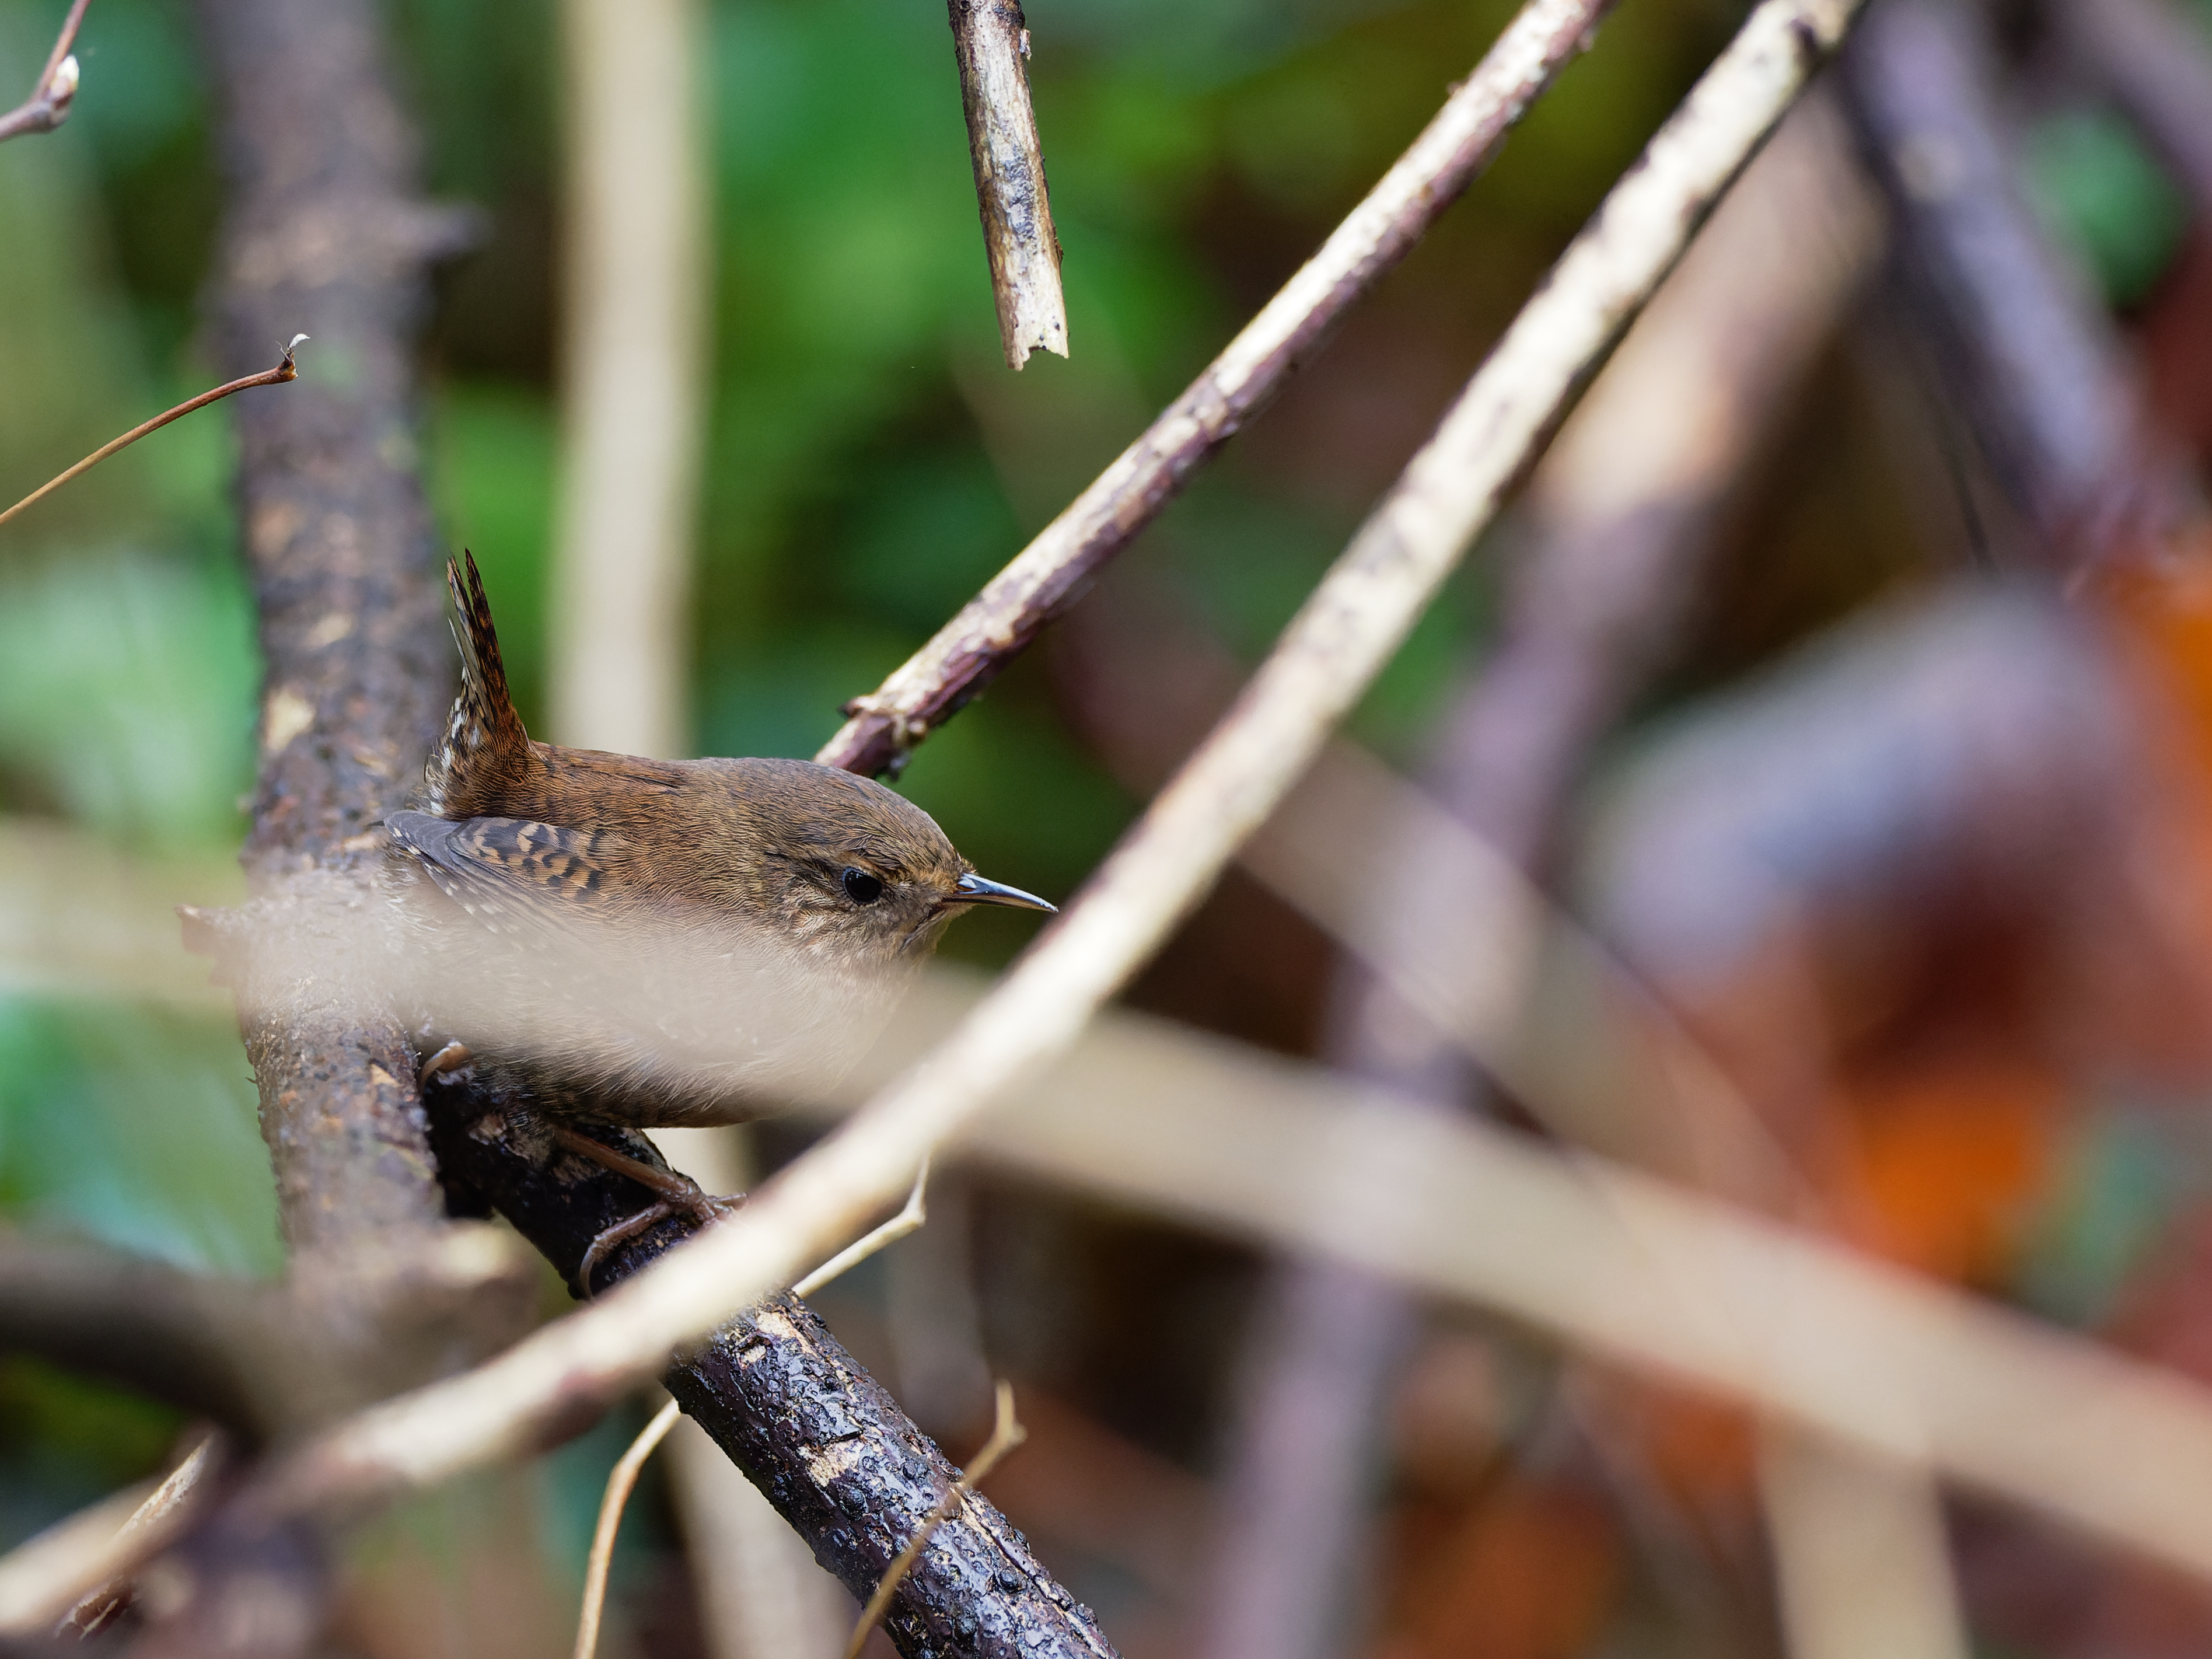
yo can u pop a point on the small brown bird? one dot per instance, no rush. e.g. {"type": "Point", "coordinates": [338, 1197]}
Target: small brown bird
{"type": "Point", "coordinates": [649, 942]}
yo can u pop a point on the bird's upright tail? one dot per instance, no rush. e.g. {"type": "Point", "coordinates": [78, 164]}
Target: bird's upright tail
{"type": "Point", "coordinates": [484, 742]}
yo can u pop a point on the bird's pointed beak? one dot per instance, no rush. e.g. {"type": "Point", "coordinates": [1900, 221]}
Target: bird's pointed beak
{"type": "Point", "coordinates": [973, 889]}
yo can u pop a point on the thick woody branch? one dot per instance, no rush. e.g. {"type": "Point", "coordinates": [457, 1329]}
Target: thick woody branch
{"type": "Point", "coordinates": [991, 41]}
{"type": "Point", "coordinates": [324, 234]}
{"type": "Point", "coordinates": [48, 105]}
{"type": "Point", "coordinates": [822, 1439]}
{"type": "Point", "coordinates": [2039, 371]}
{"type": "Point", "coordinates": [1332, 651]}
{"type": "Point", "coordinates": [1052, 572]}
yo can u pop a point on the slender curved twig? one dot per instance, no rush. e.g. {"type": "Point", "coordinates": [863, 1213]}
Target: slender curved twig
{"type": "Point", "coordinates": [619, 1486]}
{"type": "Point", "coordinates": [283, 371]}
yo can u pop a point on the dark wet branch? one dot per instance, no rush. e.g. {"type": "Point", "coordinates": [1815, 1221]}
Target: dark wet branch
{"type": "Point", "coordinates": [822, 1439]}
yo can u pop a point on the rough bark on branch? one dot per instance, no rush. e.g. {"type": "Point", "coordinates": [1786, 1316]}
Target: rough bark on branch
{"type": "Point", "coordinates": [325, 236]}
{"type": "Point", "coordinates": [823, 1441]}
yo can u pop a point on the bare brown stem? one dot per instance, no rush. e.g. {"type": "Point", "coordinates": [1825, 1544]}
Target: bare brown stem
{"type": "Point", "coordinates": [284, 371]}
{"type": "Point", "coordinates": [1052, 572]}
{"type": "Point", "coordinates": [48, 105]}
{"type": "Point", "coordinates": [1006, 1434]}
{"type": "Point", "coordinates": [620, 1484]}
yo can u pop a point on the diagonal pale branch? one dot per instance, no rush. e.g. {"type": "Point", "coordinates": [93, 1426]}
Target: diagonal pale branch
{"type": "Point", "coordinates": [1050, 574]}
{"type": "Point", "coordinates": [1332, 651]}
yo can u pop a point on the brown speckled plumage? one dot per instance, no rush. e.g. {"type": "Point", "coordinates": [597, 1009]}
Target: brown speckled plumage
{"type": "Point", "coordinates": [651, 942]}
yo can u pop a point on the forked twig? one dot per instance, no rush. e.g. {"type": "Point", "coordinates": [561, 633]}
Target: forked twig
{"type": "Point", "coordinates": [1047, 576]}
{"type": "Point", "coordinates": [283, 371]}
{"type": "Point", "coordinates": [908, 1219]}
{"type": "Point", "coordinates": [48, 105]}
{"type": "Point", "coordinates": [620, 1484]}
{"type": "Point", "coordinates": [1006, 1434]}
{"type": "Point", "coordinates": [623, 1478]}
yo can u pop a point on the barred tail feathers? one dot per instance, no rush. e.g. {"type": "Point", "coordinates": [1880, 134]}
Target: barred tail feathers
{"type": "Point", "coordinates": [483, 735]}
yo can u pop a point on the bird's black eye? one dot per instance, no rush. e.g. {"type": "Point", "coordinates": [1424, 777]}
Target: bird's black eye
{"type": "Point", "coordinates": [860, 887]}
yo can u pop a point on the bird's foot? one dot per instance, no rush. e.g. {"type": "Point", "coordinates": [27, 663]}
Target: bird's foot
{"type": "Point", "coordinates": [450, 1058]}
{"type": "Point", "coordinates": [676, 1194]}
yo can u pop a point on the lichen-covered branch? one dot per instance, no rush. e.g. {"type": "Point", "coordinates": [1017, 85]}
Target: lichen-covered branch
{"type": "Point", "coordinates": [991, 41]}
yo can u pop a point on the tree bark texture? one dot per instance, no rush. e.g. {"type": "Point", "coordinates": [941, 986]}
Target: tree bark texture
{"type": "Point", "coordinates": [821, 1438]}
{"type": "Point", "coordinates": [325, 236]}
{"type": "Point", "coordinates": [991, 41]}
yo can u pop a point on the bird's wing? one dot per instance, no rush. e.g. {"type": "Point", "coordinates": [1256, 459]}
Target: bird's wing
{"type": "Point", "coordinates": [511, 874]}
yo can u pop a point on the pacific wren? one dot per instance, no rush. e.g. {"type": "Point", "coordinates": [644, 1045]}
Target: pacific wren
{"type": "Point", "coordinates": [646, 942]}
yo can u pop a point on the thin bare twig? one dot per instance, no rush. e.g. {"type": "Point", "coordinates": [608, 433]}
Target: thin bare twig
{"type": "Point", "coordinates": [991, 41]}
{"type": "Point", "coordinates": [620, 1483]}
{"type": "Point", "coordinates": [1051, 574]}
{"type": "Point", "coordinates": [625, 1473]}
{"type": "Point", "coordinates": [1007, 1433]}
{"type": "Point", "coordinates": [284, 371]}
{"type": "Point", "coordinates": [2154, 58]}
{"type": "Point", "coordinates": [908, 1219]}
{"type": "Point", "coordinates": [48, 105]}
{"type": "Point", "coordinates": [1332, 651]}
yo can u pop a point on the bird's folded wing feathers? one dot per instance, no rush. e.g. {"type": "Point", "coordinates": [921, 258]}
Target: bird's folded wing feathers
{"type": "Point", "coordinates": [511, 874]}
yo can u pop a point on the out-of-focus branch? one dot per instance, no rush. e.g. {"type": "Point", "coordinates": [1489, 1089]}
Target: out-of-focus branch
{"type": "Point", "coordinates": [2043, 381]}
{"type": "Point", "coordinates": [991, 41]}
{"type": "Point", "coordinates": [48, 105]}
{"type": "Point", "coordinates": [2157, 63]}
{"type": "Point", "coordinates": [1861, 1558]}
{"type": "Point", "coordinates": [207, 1344]}
{"type": "Point", "coordinates": [323, 232]}
{"type": "Point", "coordinates": [1331, 652]}
{"type": "Point", "coordinates": [636, 348]}
{"type": "Point", "coordinates": [824, 1442]}
{"type": "Point", "coordinates": [284, 371]}
{"type": "Point", "coordinates": [1619, 512]}
{"type": "Point", "coordinates": [1052, 572]}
